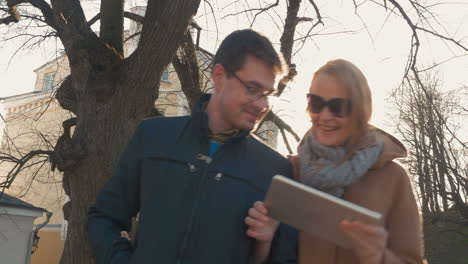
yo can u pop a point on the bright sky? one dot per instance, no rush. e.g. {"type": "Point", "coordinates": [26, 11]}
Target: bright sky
{"type": "Point", "coordinates": [380, 51]}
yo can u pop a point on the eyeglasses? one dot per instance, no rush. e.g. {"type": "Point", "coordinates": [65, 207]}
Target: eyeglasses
{"type": "Point", "coordinates": [254, 93]}
{"type": "Point", "coordinates": [339, 107]}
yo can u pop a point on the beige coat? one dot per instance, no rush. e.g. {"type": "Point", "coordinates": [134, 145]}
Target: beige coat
{"type": "Point", "coordinates": [386, 189]}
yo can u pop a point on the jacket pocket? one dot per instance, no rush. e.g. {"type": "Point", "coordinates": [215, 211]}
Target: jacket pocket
{"type": "Point", "coordinates": [167, 197]}
{"type": "Point", "coordinates": [225, 203]}
{"type": "Point", "coordinates": [165, 178]}
{"type": "Point", "coordinates": [167, 185]}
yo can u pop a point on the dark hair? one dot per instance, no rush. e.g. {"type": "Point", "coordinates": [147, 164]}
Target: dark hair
{"type": "Point", "coordinates": [240, 43]}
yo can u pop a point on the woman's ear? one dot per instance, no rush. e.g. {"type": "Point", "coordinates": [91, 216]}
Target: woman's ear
{"type": "Point", "coordinates": [217, 76]}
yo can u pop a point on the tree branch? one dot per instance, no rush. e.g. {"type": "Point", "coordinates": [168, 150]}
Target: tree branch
{"type": "Point", "coordinates": [317, 12]}
{"type": "Point", "coordinates": [280, 123]}
{"type": "Point", "coordinates": [260, 11]}
{"type": "Point", "coordinates": [285, 139]}
{"type": "Point", "coordinates": [132, 16]}
{"type": "Point", "coordinates": [159, 24]}
{"type": "Point", "coordinates": [111, 31]}
{"type": "Point", "coordinates": [287, 42]}
{"type": "Point", "coordinates": [185, 63]}
{"type": "Point", "coordinates": [19, 164]}
{"type": "Point", "coordinates": [272, 117]}
{"type": "Point", "coordinates": [42, 5]}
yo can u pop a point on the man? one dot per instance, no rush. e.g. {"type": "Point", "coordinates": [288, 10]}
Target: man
{"type": "Point", "coordinates": [194, 178]}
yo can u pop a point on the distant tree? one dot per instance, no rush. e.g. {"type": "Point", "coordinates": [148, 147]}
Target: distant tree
{"type": "Point", "coordinates": [429, 121]}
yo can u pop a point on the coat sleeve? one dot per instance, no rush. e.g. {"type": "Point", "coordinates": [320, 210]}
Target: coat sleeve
{"type": "Point", "coordinates": [116, 204]}
{"type": "Point", "coordinates": [403, 224]}
{"type": "Point", "coordinates": [284, 245]}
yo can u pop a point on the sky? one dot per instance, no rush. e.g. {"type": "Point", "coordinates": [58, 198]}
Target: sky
{"type": "Point", "coordinates": [379, 48]}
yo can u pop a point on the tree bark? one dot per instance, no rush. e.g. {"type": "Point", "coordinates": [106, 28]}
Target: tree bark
{"type": "Point", "coordinates": [185, 63]}
{"type": "Point", "coordinates": [109, 97]}
{"type": "Point", "coordinates": [112, 28]}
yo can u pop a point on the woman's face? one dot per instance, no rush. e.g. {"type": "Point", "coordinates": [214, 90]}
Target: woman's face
{"type": "Point", "coordinates": [329, 108]}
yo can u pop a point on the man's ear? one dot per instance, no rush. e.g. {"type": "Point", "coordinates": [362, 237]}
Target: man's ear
{"type": "Point", "coordinates": [217, 76]}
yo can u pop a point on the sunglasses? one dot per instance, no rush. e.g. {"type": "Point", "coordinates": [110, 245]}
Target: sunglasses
{"type": "Point", "coordinates": [339, 107]}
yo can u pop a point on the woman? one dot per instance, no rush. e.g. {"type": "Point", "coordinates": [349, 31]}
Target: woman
{"type": "Point", "coordinates": [343, 155]}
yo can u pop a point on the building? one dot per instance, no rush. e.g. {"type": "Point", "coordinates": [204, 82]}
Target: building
{"type": "Point", "coordinates": [18, 236]}
{"type": "Point", "coordinates": [33, 122]}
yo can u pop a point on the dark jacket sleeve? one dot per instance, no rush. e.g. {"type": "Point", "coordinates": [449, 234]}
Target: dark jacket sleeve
{"type": "Point", "coordinates": [116, 204]}
{"type": "Point", "coordinates": [284, 246]}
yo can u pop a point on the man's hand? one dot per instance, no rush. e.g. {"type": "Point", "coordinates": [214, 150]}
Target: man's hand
{"type": "Point", "coordinates": [261, 226]}
{"type": "Point", "coordinates": [369, 242]}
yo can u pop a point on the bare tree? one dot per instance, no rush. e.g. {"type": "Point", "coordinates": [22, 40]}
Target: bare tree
{"type": "Point", "coordinates": [108, 94]}
{"type": "Point", "coordinates": [437, 160]}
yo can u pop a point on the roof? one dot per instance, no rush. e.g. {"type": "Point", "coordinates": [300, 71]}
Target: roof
{"type": "Point", "coordinates": [62, 54]}
{"type": "Point", "coordinates": [11, 201]}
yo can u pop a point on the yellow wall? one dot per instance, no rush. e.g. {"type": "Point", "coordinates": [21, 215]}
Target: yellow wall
{"type": "Point", "coordinates": [30, 124]}
{"type": "Point", "coordinates": [50, 248]}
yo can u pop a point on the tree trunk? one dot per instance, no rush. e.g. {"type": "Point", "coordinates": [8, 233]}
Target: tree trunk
{"type": "Point", "coordinates": [107, 131]}
{"type": "Point", "coordinates": [110, 97]}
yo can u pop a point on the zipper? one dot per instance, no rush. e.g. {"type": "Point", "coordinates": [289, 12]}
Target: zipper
{"type": "Point", "coordinates": [173, 160]}
{"type": "Point", "coordinates": [191, 166]}
{"type": "Point", "coordinates": [208, 160]}
{"type": "Point", "coordinates": [205, 158]}
{"type": "Point", "coordinates": [186, 239]}
{"type": "Point", "coordinates": [257, 188]}
{"type": "Point", "coordinates": [218, 176]}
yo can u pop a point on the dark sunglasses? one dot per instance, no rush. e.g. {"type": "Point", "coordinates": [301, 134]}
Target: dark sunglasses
{"type": "Point", "coordinates": [339, 107]}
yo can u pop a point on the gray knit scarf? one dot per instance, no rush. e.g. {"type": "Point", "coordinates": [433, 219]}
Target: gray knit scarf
{"type": "Point", "coordinates": [321, 166]}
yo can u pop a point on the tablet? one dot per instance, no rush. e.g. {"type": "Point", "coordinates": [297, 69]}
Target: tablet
{"type": "Point", "coordinates": [313, 211]}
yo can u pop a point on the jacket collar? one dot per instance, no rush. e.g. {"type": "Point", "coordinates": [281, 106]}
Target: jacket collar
{"type": "Point", "coordinates": [392, 148]}
{"type": "Point", "coordinates": [200, 121]}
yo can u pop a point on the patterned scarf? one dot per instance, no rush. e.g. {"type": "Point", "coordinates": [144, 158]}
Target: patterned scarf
{"type": "Point", "coordinates": [222, 138]}
{"type": "Point", "coordinates": [324, 167]}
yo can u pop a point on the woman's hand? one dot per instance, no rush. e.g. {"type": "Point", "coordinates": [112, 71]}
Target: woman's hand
{"type": "Point", "coordinates": [261, 226]}
{"type": "Point", "coordinates": [369, 242]}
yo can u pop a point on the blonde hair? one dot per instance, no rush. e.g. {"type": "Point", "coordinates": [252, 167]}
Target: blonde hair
{"type": "Point", "coordinates": [358, 92]}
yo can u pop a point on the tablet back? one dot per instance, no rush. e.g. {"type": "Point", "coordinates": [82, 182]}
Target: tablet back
{"type": "Point", "coordinates": [314, 211]}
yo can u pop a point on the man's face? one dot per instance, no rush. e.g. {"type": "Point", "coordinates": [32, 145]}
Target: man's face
{"type": "Point", "coordinates": [242, 94]}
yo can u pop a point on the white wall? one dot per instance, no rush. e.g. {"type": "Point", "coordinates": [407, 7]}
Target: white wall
{"type": "Point", "coordinates": [2, 122]}
{"type": "Point", "coordinates": [15, 235]}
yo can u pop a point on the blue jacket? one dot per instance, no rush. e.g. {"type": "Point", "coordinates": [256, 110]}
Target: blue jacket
{"type": "Point", "coordinates": [192, 206]}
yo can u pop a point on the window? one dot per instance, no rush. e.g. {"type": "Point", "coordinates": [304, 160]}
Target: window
{"type": "Point", "coordinates": [49, 82]}
{"type": "Point", "coordinates": [165, 76]}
